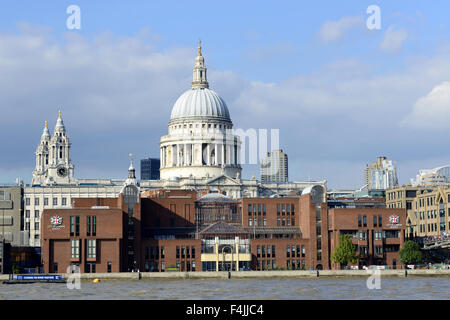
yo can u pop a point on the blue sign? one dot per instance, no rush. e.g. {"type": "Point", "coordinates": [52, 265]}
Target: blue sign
{"type": "Point", "coordinates": [38, 277]}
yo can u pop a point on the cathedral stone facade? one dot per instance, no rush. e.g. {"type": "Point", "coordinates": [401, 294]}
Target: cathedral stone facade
{"type": "Point", "coordinates": [53, 164]}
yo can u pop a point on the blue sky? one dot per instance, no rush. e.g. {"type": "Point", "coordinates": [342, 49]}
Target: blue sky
{"type": "Point", "coordinates": [340, 94]}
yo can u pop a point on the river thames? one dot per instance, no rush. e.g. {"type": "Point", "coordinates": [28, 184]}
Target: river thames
{"type": "Point", "coordinates": [415, 288]}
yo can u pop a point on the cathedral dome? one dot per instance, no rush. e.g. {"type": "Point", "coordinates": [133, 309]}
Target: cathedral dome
{"type": "Point", "coordinates": [200, 103]}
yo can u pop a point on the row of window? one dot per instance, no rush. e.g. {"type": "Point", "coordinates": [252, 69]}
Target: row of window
{"type": "Point", "coordinates": [154, 252]}
{"type": "Point", "coordinates": [91, 225]}
{"type": "Point", "coordinates": [285, 209]}
{"type": "Point", "coordinates": [90, 267]}
{"type": "Point", "coordinates": [75, 248]}
{"type": "Point", "coordinates": [432, 227]}
{"type": "Point", "coordinates": [295, 251]}
{"type": "Point", "coordinates": [258, 209]}
{"type": "Point", "coordinates": [376, 222]}
{"type": "Point", "coordinates": [185, 252]}
{"type": "Point", "coordinates": [263, 251]}
{"type": "Point", "coordinates": [55, 201]}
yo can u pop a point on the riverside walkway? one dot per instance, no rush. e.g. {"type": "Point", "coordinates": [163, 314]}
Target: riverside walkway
{"type": "Point", "coordinates": [252, 274]}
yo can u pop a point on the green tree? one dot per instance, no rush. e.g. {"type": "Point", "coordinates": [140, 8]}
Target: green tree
{"type": "Point", "coordinates": [345, 251]}
{"type": "Point", "coordinates": [410, 253]}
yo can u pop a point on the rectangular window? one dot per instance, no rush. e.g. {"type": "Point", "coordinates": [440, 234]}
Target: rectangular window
{"type": "Point", "coordinates": [365, 221]}
{"type": "Point", "coordinates": [379, 221]}
{"type": "Point", "coordinates": [264, 209]}
{"type": "Point", "coordinates": [259, 209]}
{"type": "Point", "coordinates": [292, 209]}
{"type": "Point", "coordinates": [188, 254]}
{"type": "Point", "coordinates": [55, 267]}
{"type": "Point", "coordinates": [27, 213]}
{"type": "Point", "coordinates": [55, 201]}
{"type": "Point", "coordinates": [359, 221]}
{"type": "Point", "coordinates": [278, 222]}
{"type": "Point", "coordinates": [298, 251]}
{"type": "Point", "coordinates": [92, 248]}
{"type": "Point", "coordinates": [250, 222]}
{"type": "Point", "coordinates": [193, 253]}
{"type": "Point", "coordinates": [36, 201]}
{"type": "Point", "coordinates": [88, 225]}
{"type": "Point", "coordinates": [249, 209]}
{"type": "Point", "coordinates": [283, 209]}
{"type": "Point", "coordinates": [273, 251]}
{"type": "Point", "coordinates": [36, 226]}
{"type": "Point", "coordinates": [182, 252]}
{"type": "Point", "coordinates": [74, 249]}
{"type": "Point", "coordinates": [303, 251]}
{"type": "Point", "coordinates": [293, 221]}
{"type": "Point", "coordinates": [268, 250]}
{"type": "Point", "coordinates": [263, 251]}
{"type": "Point", "coordinates": [258, 251]}
{"type": "Point", "coordinates": [45, 201]}
{"type": "Point", "coordinates": [27, 201]}
{"type": "Point", "coordinates": [36, 213]}
{"type": "Point", "coordinates": [72, 225]}
{"type": "Point", "coordinates": [109, 266]}
{"type": "Point", "coordinates": [163, 253]}
{"type": "Point", "coordinates": [288, 251]}
{"type": "Point", "coordinates": [278, 209]}
{"type": "Point", "coordinates": [94, 225]}
{"type": "Point", "coordinates": [259, 222]}
{"type": "Point", "coordinates": [374, 221]}
{"type": "Point", "coordinates": [265, 222]}
{"type": "Point", "coordinates": [64, 201]}
{"type": "Point", "coordinates": [178, 252]}
{"type": "Point", "coordinates": [77, 225]}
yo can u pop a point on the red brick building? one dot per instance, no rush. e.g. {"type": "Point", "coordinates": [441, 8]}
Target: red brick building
{"type": "Point", "coordinates": [167, 230]}
{"type": "Point", "coordinates": [377, 233]}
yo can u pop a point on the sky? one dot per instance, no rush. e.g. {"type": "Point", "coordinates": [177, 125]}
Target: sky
{"type": "Point", "coordinates": [341, 94]}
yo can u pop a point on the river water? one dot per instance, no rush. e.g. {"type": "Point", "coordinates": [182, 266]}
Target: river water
{"type": "Point", "coordinates": [417, 288]}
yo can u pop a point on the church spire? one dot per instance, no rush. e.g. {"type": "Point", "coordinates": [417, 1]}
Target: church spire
{"type": "Point", "coordinates": [60, 123]}
{"type": "Point", "coordinates": [131, 171]}
{"type": "Point", "coordinates": [199, 72]}
{"type": "Point", "coordinates": [46, 133]}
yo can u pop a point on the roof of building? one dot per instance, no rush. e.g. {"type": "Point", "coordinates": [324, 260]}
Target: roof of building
{"type": "Point", "coordinates": [200, 103]}
{"type": "Point", "coordinates": [223, 227]}
{"type": "Point", "coordinates": [215, 197]}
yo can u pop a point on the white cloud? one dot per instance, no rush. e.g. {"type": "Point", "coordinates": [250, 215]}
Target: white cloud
{"type": "Point", "coordinates": [333, 31]}
{"type": "Point", "coordinates": [116, 94]}
{"type": "Point", "coordinates": [431, 111]}
{"type": "Point", "coordinates": [393, 40]}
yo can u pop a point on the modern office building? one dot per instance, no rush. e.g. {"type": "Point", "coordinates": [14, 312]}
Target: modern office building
{"type": "Point", "coordinates": [150, 169]}
{"type": "Point", "coordinates": [177, 230]}
{"type": "Point", "coordinates": [378, 234]}
{"type": "Point", "coordinates": [274, 168]}
{"type": "Point", "coordinates": [381, 174]}
{"type": "Point", "coordinates": [439, 176]}
{"type": "Point", "coordinates": [13, 228]}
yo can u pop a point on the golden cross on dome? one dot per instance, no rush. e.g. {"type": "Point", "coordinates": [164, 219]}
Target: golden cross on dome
{"type": "Point", "coordinates": [59, 114]}
{"type": "Point", "coordinates": [131, 156]}
{"type": "Point", "coordinates": [199, 47]}
{"type": "Point", "coordinates": [46, 124]}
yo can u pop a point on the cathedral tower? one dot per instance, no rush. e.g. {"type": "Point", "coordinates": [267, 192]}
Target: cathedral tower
{"type": "Point", "coordinates": [53, 163]}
